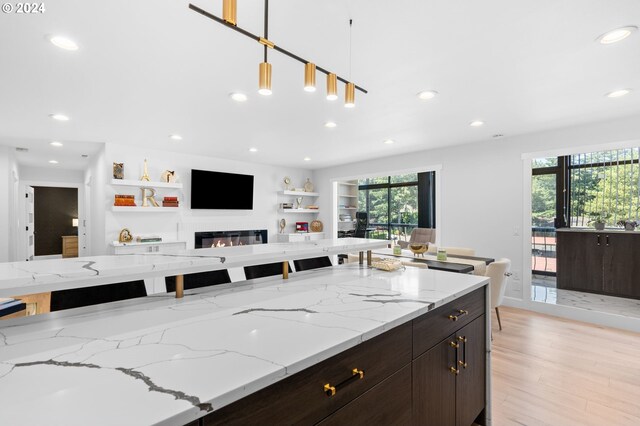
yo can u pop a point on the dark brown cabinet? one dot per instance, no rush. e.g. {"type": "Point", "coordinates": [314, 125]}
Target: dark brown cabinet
{"type": "Point", "coordinates": [449, 379]}
{"type": "Point", "coordinates": [599, 262]}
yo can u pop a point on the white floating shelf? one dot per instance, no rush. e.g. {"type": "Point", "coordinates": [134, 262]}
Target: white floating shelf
{"type": "Point", "coordinates": [299, 193]}
{"type": "Point", "coordinates": [137, 209]}
{"type": "Point", "coordinates": [299, 210]}
{"type": "Point", "coordinates": [347, 196]}
{"type": "Point", "coordinates": [348, 208]}
{"type": "Point", "coordinates": [145, 184]}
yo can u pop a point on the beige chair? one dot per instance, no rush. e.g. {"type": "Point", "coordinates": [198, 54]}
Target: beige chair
{"type": "Point", "coordinates": [461, 251]}
{"type": "Point", "coordinates": [420, 236]}
{"type": "Point", "coordinates": [498, 272]}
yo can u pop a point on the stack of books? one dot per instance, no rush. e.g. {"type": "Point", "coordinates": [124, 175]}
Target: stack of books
{"type": "Point", "coordinates": [9, 305]}
{"type": "Point", "coordinates": [170, 202]}
{"type": "Point", "coordinates": [148, 239]}
{"type": "Point", "coordinates": [312, 207]}
{"type": "Point", "coordinates": [285, 206]}
{"type": "Point", "coordinates": [124, 200]}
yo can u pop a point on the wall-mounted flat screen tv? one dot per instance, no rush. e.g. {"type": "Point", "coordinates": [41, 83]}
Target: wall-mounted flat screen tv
{"type": "Point", "coordinates": [221, 191]}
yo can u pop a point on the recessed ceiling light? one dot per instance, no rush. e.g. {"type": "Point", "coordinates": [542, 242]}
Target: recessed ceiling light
{"type": "Point", "coordinates": [53, 162]}
{"type": "Point", "coordinates": [617, 35]}
{"type": "Point", "coordinates": [618, 93]}
{"type": "Point", "coordinates": [238, 97]}
{"type": "Point", "coordinates": [56, 144]}
{"type": "Point", "coordinates": [253, 149]}
{"type": "Point", "coordinates": [59, 117]}
{"type": "Point", "coordinates": [175, 137]}
{"type": "Point", "coordinates": [476, 123]}
{"type": "Point", "coordinates": [84, 155]}
{"type": "Point", "coordinates": [389, 141]}
{"type": "Point", "coordinates": [307, 159]}
{"type": "Point", "coordinates": [427, 94]}
{"type": "Point", "coordinates": [63, 43]}
{"type": "Point", "coordinates": [330, 124]}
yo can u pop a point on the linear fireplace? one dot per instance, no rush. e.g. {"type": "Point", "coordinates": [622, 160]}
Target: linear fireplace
{"type": "Point", "coordinates": [230, 238]}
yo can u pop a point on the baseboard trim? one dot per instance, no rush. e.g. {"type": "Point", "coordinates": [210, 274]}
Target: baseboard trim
{"type": "Point", "coordinates": [578, 314]}
{"type": "Point", "coordinates": [53, 256]}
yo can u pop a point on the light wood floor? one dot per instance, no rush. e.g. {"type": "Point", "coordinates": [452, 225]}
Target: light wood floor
{"type": "Point", "coordinates": [552, 371]}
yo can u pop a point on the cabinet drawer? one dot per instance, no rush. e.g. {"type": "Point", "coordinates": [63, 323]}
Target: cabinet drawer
{"type": "Point", "coordinates": [301, 398]}
{"type": "Point", "coordinates": [434, 326]}
{"type": "Point", "coordinates": [368, 410]}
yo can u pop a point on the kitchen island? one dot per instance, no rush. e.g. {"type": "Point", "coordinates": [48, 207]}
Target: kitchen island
{"type": "Point", "coordinates": [161, 360]}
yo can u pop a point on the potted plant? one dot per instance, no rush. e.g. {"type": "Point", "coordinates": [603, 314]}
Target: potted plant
{"type": "Point", "coordinates": [629, 225]}
{"type": "Point", "coordinates": [598, 220]}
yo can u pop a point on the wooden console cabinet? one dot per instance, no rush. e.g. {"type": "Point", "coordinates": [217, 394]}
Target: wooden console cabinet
{"type": "Point", "coordinates": [431, 371]}
{"type": "Point", "coordinates": [69, 246]}
{"type": "Point", "coordinates": [603, 262]}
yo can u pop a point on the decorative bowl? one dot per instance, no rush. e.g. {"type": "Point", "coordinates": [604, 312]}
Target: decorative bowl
{"type": "Point", "coordinates": [418, 249]}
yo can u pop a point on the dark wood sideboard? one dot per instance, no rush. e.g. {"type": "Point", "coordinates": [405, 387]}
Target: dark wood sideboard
{"type": "Point", "coordinates": [603, 262]}
{"type": "Point", "coordinates": [430, 371]}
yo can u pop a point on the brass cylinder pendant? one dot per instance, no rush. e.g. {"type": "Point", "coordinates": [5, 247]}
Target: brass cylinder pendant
{"type": "Point", "coordinates": [229, 11]}
{"type": "Point", "coordinates": [264, 83]}
{"type": "Point", "coordinates": [310, 77]}
{"type": "Point", "coordinates": [350, 96]}
{"type": "Point", "coordinates": [332, 87]}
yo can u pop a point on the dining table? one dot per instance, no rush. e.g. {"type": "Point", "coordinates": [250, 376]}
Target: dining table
{"type": "Point", "coordinates": [454, 263]}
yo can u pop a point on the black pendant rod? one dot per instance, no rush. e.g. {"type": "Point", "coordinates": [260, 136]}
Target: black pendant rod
{"type": "Point", "coordinates": [257, 38]}
{"type": "Point", "coordinates": [266, 26]}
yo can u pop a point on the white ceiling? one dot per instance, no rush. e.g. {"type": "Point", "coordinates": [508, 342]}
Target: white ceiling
{"type": "Point", "coordinates": [149, 68]}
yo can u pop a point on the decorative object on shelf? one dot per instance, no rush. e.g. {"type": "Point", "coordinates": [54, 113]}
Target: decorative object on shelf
{"type": "Point", "coordinates": [168, 176]}
{"type": "Point", "coordinates": [299, 202]}
{"type": "Point", "coordinates": [308, 186]}
{"type": "Point", "coordinates": [441, 255]}
{"type": "Point", "coordinates": [149, 239]}
{"type": "Point", "coordinates": [388, 265]}
{"type": "Point", "coordinates": [418, 249]}
{"type": "Point", "coordinates": [599, 220]}
{"type": "Point", "coordinates": [229, 20]}
{"type": "Point", "coordinates": [283, 223]}
{"type": "Point", "coordinates": [287, 182]}
{"type": "Point", "coordinates": [145, 173]}
{"type": "Point", "coordinates": [302, 226]}
{"type": "Point", "coordinates": [286, 206]}
{"type": "Point", "coordinates": [118, 170]}
{"type": "Point", "coordinates": [170, 202]}
{"type": "Point", "coordinates": [629, 225]}
{"type": "Point", "coordinates": [125, 236]}
{"type": "Point", "coordinates": [316, 226]}
{"type": "Point", "coordinates": [397, 248]}
{"type": "Point", "coordinates": [124, 200]}
{"type": "Point", "coordinates": [312, 207]}
{"type": "Point", "coordinates": [146, 199]}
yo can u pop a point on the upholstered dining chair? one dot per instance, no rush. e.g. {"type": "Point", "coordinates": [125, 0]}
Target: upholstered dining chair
{"type": "Point", "coordinates": [498, 272]}
{"type": "Point", "coordinates": [420, 236]}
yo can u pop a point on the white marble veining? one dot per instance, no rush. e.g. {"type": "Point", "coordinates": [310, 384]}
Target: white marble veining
{"type": "Point", "coordinates": [160, 360]}
{"type": "Point", "coordinates": [18, 278]}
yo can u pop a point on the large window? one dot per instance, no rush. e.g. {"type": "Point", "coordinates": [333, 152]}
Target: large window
{"type": "Point", "coordinates": [395, 205]}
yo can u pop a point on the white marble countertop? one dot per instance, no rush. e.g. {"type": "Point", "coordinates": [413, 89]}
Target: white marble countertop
{"type": "Point", "coordinates": [161, 360]}
{"type": "Point", "coordinates": [18, 278]}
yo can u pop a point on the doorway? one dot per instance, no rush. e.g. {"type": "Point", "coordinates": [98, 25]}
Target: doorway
{"type": "Point", "coordinates": [55, 222]}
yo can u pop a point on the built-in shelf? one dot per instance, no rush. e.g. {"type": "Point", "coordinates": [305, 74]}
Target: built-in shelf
{"type": "Point", "coordinates": [347, 208]}
{"type": "Point", "coordinates": [145, 184]}
{"type": "Point", "coordinates": [299, 210]}
{"type": "Point", "coordinates": [139, 209]}
{"type": "Point", "coordinates": [300, 193]}
{"type": "Point", "coordinates": [347, 196]}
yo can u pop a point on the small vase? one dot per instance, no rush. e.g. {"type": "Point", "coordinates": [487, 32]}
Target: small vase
{"type": "Point", "coordinates": [599, 226]}
{"type": "Point", "coordinates": [629, 227]}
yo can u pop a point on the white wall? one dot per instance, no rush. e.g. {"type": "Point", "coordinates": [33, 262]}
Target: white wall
{"type": "Point", "coordinates": [182, 225]}
{"type": "Point", "coordinates": [95, 180]}
{"type": "Point", "coordinates": [50, 174]}
{"type": "Point", "coordinates": [481, 195]}
{"type": "Point", "coordinates": [4, 207]}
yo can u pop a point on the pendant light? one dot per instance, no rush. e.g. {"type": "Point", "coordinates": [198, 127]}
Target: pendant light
{"type": "Point", "coordinates": [332, 87]}
{"type": "Point", "coordinates": [309, 77]}
{"type": "Point", "coordinates": [350, 95]}
{"type": "Point", "coordinates": [229, 11]}
{"type": "Point", "coordinates": [265, 79]}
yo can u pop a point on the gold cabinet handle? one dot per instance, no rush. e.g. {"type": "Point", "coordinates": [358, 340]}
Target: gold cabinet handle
{"type": "Point", "coordinates": [453, 317]}
{"type": "Point", "coordinates": [454, 345]}
{"type": "Point", "coordinates": [454, 370]}
{"type": "Point", "coordinates": [463, 312]}
{"type": "Point", "coordinates": [329, 390]}
{"type": "Point", "coordinates": [463, 363]}
{"type": "Point", "coordinates": [357, 372]}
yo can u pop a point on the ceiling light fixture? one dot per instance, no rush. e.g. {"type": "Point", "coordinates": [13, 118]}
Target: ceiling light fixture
{"type": "Point", "coordinates": [63, 43]}
{"type": "Point", "coordinates": [309, 77]}
{"type": "Point", "coordinates": [59, 117]}
{"type": "Point", "coordinates": [229, 12]}
{"type": "Point", "coordinates": [238, 97]}
{"type": "Point", "coordinates": [56, 144]}
{"type": "Point", "coordinates": [618, 93]}
{"type": "Point", "coordinates": [175, 137]}
{"type": "Point", "coordinates": [307, 159]}
{"type": "Point", "coordinates": [350, 96]}
{"type": "Point", "coordinates": [476, 123]}
{"type": "Point", "coordinates": [53, 162]}
{"type": "Point", "coordinates": [253, 149]}
{"type": "Point", "coordinates": [389, 141]}
{"type": "Point", "coordinates": [427, 94]}
{"type": "Point", "coordinates": [330, 124]}
{"type": "Point", "coordinates": [617, 35]}
{"type": "Point", "coordinates": [332, 87]}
